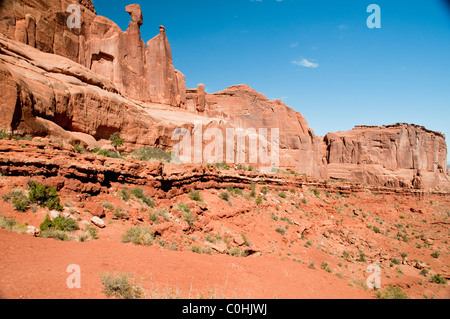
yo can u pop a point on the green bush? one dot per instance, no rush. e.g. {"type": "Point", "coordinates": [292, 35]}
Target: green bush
{"type": "Point", "coordinates": [222, 166]}
{"type": "Point", "coordinates": [125, 194]}
{"type": "Point", "coordinates": [184, 207]}
{"type": "Point", "coordinates": [108, 206]}
{"type": "Point", "coordinates": [153, 216]}
{"type": "Point", "coordinates": [225, 196]}
{"type": "Point", "coordinates": [438, 279]}
{"type": "Point", "coordinates": [237, 252]}
{"type": "Point", "coordinates": [11, 225]}
{"type": "Point", "coordinates": [151, 154]}
{"type": "Point", "coordinates": [435, 254]}
{"type": "Point", "coordinates": [259, 200]}
{"type": "Point", "coordinates": [188, 217]}
{"type": "Point", "coordinates": [392, 292]}
{"type": "Point", "coordinates": [44, 196]}
{"type": "Point", "coordinates": [139, 193]}
{"type": "Point", "coordinates": [55, 234]}
{"type": "Point", "coordinates": [280, 230]}
{"type": "Point", "coordinates": [138, 236]}
{"type": "Point", "coordinates": [195, 195]}
{"type": "Point", "coordinates": [120, 287]}
{"type": "Point", "coordinates": [18, 199]}
{"type": "Point", "coordinates": [59, 223]}
{"type": "Point", "coordinates": [108, 153]}
{"type": "Point", "coordinates": [116, 140]}
{"type": "Point", "coordinates": [282, 195]}
{"type": "Point", "coordinates": [79, 149]}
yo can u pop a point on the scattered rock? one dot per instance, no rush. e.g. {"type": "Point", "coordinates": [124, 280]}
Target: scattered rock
{"type": "Point", "coordinates": [98, 222]}
{"type": "Point", "coordinates": [220, 247]}
{"type": "Point", "coordinates": [95, 209]}
{"type": "Point", "coordinates": [54, 214]}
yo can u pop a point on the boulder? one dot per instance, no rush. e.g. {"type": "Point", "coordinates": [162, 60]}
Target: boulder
{"type": "Point", "coordinates": [95, 209]}
{"type": "Point", "coordinates": [33, 231]}
{"type": "Point", "coordinates": [98, 222]}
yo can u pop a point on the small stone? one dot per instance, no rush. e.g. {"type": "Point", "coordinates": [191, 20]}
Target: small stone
{"type": "Point", "coordinates": [98, 222]}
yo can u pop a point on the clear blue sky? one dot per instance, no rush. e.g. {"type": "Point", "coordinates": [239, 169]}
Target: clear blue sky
{"type": "Point", "coordinates": [318, 56]}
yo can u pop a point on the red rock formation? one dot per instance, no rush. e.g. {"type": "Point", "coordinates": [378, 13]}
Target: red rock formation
{"type": "Point", "coordinates": [388, 155]}
{"type": "Point", "coordinates": [100, 45]}
{"type": "Point", "coordinates": [83, 84]}
{"type": "Point", "coordinates": [240, 106]}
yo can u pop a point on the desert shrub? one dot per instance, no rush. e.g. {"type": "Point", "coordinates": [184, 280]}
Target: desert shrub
{"type": "Point", "coordinates": [79, 148]}
{"type": "Point", "coordinates": [4, 135]}
{"type": "Point", "coordinates": [11, 225]}
{"type": "Point", "coordinates": [237, 252]}
{"type": "Point", "coordinates": [149, 154]}
{"type": "Point", "coordinates": [116, 140]}
{"type": "Point", "coordinates": [280, 230]}
{"type": "Point", "coordinates": [244, 238]}
{"type": "Point", "coordinates": [59, 223]}
{"type": "Point", "coordinates": [438, 279]}
{"type": "Point", "coordinates": [163, 213]}
{"type": "Point", "coordinates": [139, 193]}
{"type": "Point", "coordinates": [264, 190]}
{"type": "Point", "coordinates": [18, 199]}
{"type": "Point", "coordinates": [282, 195]}
{"type": "Point", "coordinates": [392, 292]}
{"type": "Point", "coordinates": [120, 287]}
{"type": "Point", "coordinates": [435, 254]}
{"type": "Point", "coordinates": [424, 272]}
{"type": "Point", "coordinates": [195, 195]}
{"type": "Point", "coordinates": [188, 217]}
{"type": "Point", "coordinates": [362, 257]}
{"type": "Point", "coordinates": [120, 213]}
{"type": "Point", "coordinates": [44, 196]}
{"type": "Point", "coordinates": [396, 261]}
{"type": "Point", "coordinates": [259, 200]}
{"type": "Point", "coordinates": [345, 255]}
{"type": "Point", "coordinates": [55, 234]}
{"type": "Point", "coordinates": [222, 166]}
{"type": "Point", "coordinates": [65, 224]}
{"type": "Point", "coordinates": [125, 194]}
{"type": "Point", "coordinates": [184, 207]}
{"type": "Point", "coordinates": [108, 153]}
{"type": "Point", "coordinates": [108, 206]}
{"type": "Point", "coordinates": [138, 236]}
{"type": "Point", "coordinates": [316, 192]}
{"type": "Point", "coordinates": [92, 231]}
{"type": "Point", "coordinates": [225, 196]}
{"type": "Point", "coordinates": [196, 249]}
{"type": "Point", "coordinates": [153, 216]}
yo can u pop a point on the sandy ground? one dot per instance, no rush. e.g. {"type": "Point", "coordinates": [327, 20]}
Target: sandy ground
{"type": "Point", "coordinates": [36, 268]}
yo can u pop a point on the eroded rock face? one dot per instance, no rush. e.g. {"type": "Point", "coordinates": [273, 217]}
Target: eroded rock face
{"type": "Point", "coordinates": [51, 96]}
{"type": "Point", "coordinates": [81, 85]}
{"type": "Point", "coordinates": [400, 155]}
{"type": "Point", "coordinates": [100, 45]}
{"type": "Point", "coordinates": [240, 106]}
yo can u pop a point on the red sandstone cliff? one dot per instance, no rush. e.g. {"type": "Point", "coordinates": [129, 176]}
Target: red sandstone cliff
{"type": "Point", "coordinates": [82, 85]}
{"type": "Point", "coordinates": [390, 155]}
{"type": "Point", "coordinates": [138, 72]}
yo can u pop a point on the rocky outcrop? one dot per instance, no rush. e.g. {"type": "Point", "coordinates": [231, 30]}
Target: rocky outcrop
{"type": "Point", "coordinates": [240, 106]}
{"type": "Point", "coordinates": [395, 155]}
{"type": "Point", "coordinates": [138, 72]}
{"type": "Point", "coordinates": [49, 95]}
{"type": "Point", "coordinates": [80, 85]}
